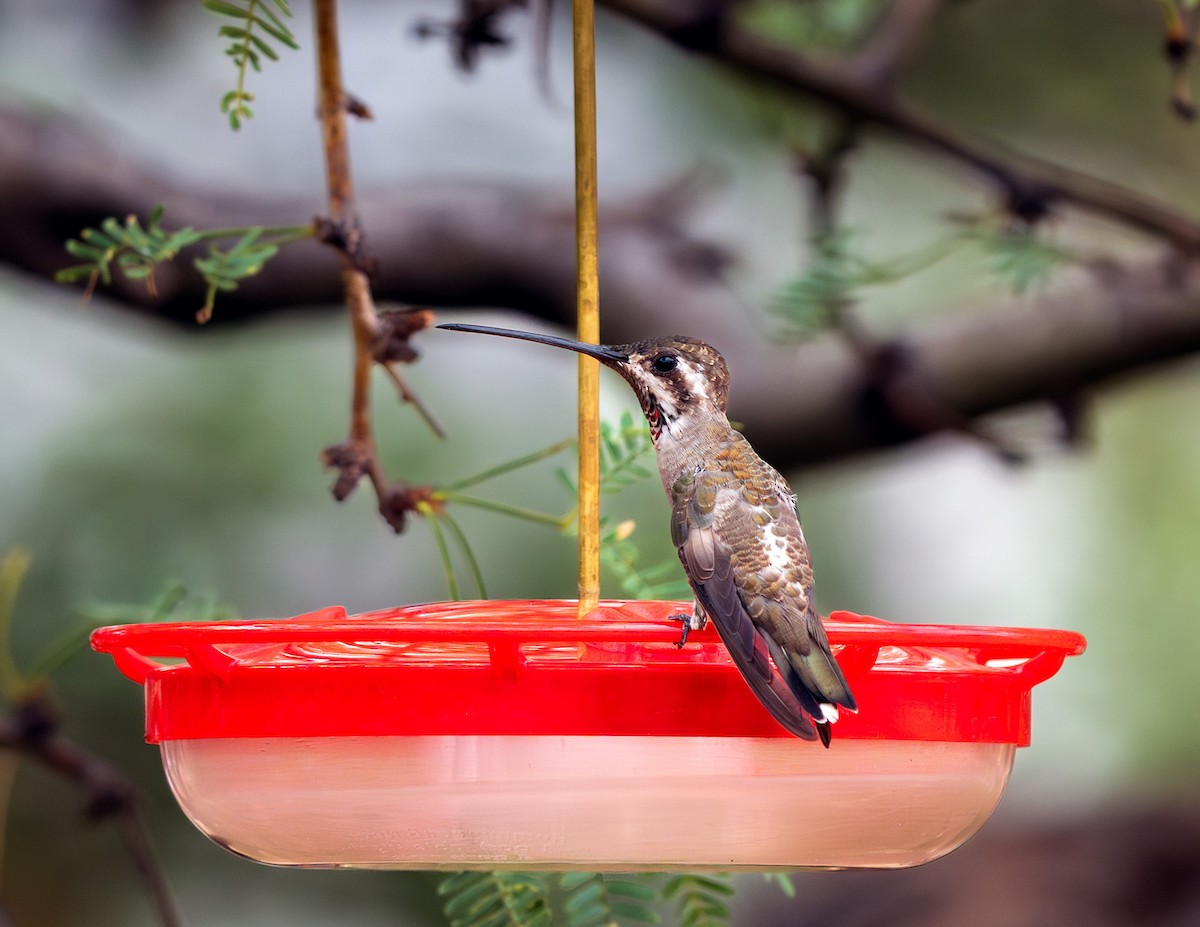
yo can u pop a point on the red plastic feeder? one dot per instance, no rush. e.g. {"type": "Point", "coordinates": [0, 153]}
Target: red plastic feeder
{"type": "Point", "coordinates": [513, 734]}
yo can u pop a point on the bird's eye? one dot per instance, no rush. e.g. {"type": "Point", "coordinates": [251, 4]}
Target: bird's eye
{"type": "Point", "coordinates": [664, 363]}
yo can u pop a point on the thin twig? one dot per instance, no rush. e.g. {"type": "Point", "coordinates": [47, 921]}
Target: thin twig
{"type": "Point", "coordinates": [505, 508]}
{"type": "Point", "coordinates": [443, 552]}
{"type": "Point", "coordinates": [343, 229]}
{"type": "Point", "coordinates": [509, 465]}
{"type": "Point", "coordinates": [464, 545]}
{"type": "Point", "coordinates": [343, 217]}
{"type": "Point", "coordinates": [136, 836]}
{"type": "Point", "coordinates": [33, 733]}
{"type": "Point", "coordinates": [414, 400]}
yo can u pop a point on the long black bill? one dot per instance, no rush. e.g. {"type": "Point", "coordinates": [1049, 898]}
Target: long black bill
{"type": "Point", "coordinates": [602, 353]}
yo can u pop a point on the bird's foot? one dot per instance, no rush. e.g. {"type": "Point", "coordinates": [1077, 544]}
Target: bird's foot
{"type": "Point", "coordinates": [693, 622]}
{"type": "Point", "coordinates": [686, 621]}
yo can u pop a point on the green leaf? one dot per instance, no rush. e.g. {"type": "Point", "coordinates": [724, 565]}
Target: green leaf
{"type": "Point", "coordinates": [501, 917]}
{"type": "Point", "coordinates": [713, 883]}
{"type": "Point", "coordinates": [135, 237]}
{"type": "Point", "coordinates": [597, 899]}
{"type": "Point", "coordinates": [630, 889]}
{"type": "Point", "coordinates": [564, 477]}
{"type": "Point", "coordinates": [471, 898]}
{"type": "Point", "coordinates": [88, 252]}
{"type": "Point", "coordinates": [586, 897]}
{"type": "Point", "coordinates": [542, 917]}
{"type": "Point", "coordinates": [700, 899]}
{"type": "Point", "coordinates": [96, 237]}
{"type": "Point", "coordinates": [265, 9]}
{"type": "Point", "coordinates": [221, 8]}
{"type": "Point", "coordinates": [113, 228]}
{"type": "Point", "coordinates": [784, 881]}
{"type": "Point", "coordinates": [276, 30]}
{"type": "Point", "coordinates": [264, 48]}
{"type": "Point", "coordinates": [569, 881]}
{"type": "Point", "coordinates": [74, 274]}
{"type": "Point", "coordinates": [816, 300]}
{"type": "Point", "coordinates": [181, 239]}
{"type": "Point", "coordinates": [810, 303]}
{"type": "Point", "coordinates": [1021, 259]}
{"type": "Point", "coordinates": [223, 270]}
{"type": "Point", "coordinates": [252, 28]}
{"type": "Point", "coordinates": [634, 912]}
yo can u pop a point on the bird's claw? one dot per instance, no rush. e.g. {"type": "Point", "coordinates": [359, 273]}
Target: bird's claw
{"type": "Point", "coordinates": [686, 620]}
{"type": "Point", "coordinates": [693, 622]}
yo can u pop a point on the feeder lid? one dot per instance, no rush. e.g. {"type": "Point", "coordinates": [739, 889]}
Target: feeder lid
{"type": "Point", "coordinates": [532, 667]}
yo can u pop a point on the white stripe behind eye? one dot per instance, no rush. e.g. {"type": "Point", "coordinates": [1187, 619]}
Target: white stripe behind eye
{"type": "Point", "coordinates": [697, 383]}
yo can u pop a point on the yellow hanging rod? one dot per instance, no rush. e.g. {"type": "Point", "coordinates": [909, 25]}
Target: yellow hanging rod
{"type": "Point", "coordinates": [587, 301]}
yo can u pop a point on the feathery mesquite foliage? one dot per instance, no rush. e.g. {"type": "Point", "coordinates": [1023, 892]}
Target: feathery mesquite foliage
{"type": "Point", "coordinates": [251, 27]}
{"type": "Point", "coordinates": [134, 250]}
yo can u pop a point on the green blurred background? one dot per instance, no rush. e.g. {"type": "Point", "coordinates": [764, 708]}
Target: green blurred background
{"type": "Point", "coordinates": [136, 454]}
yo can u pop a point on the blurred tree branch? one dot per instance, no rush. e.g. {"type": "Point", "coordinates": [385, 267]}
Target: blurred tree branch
{"type": "Point", "coordinates": [32, 732]}
{"type": "Point", "coordinates": [443, 243]}
{"type": "Point", "coordinates": [1136, 862]}
{"type": "Point", "coordinates": [863, 87]}
{"type": "Point", "coordinates": [449, 244]}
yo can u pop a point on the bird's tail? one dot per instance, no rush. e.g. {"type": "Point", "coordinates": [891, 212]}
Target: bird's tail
{"type": "Point", "coordinates": [819, 673]}
{"type": "Point", "coordinates": [816, 680]}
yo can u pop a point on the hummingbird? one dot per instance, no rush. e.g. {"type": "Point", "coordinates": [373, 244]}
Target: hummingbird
{"type": "Point", "coordinates": [734, 524]}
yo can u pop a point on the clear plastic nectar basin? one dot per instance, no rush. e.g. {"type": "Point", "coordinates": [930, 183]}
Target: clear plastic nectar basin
{"type": "Point", "coordinates": [494, 734]}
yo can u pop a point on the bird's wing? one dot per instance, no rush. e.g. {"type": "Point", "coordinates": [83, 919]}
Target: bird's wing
{"type": "Point", "coordinates": [779, 602]}
{"type": "Point", "coordinates": [709, 567]}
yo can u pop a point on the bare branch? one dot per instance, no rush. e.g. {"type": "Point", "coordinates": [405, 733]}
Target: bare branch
{"type": "Point", "coordinates": [373, 341]}
{"type": "Point", "coordinates": [1108, 323]}
{"type": "Point", "coordinates": [33, 732]}
{"type": "Point", "coordinates": [802, 404]}
{"type": "Point", "coordinates": [442, 243]}
{"type": "Point", "coordinates": [1031, 187]}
